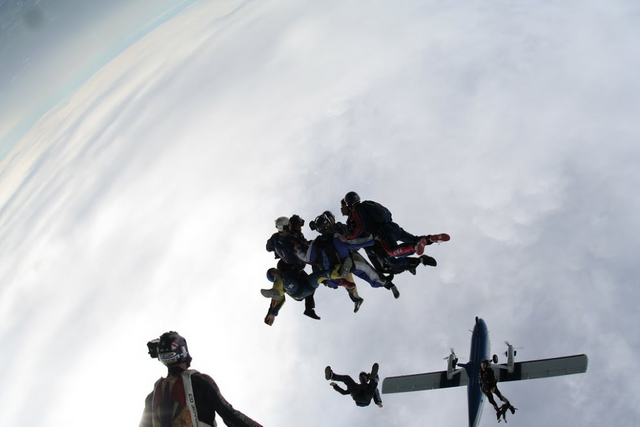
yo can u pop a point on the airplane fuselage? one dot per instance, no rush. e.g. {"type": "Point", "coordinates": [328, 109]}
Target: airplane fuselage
{"type": "Point", "coordinates": [480, 350]}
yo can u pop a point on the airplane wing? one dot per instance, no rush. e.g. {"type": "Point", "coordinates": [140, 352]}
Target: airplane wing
{"type": "Point", "coordinates": [418, 382]}
{"type": "Point", "coordinates": [543, 368]}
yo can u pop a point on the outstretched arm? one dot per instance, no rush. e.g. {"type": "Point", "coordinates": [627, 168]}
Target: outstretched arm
{"type": "Point", "coordinates": [339, 389]}
{"type": "Point", "coordinates": [215, 402]}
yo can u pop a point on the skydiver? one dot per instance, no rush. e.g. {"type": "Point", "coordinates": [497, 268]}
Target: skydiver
{"type": "Point", "coordinates": [167, 404]}
{"type": "Point", "coordinates": [291, 269]}
{"type": "Point", "coordinates": [489, 386]}
{"type": "Point", "coordinates": [361, 392]}
{"type": "Point", "coordinates": [341, 256]}
{"type": "Point", "coordinates": [299, 287]}
{"type": "Point", "coordinates": [368, 217]}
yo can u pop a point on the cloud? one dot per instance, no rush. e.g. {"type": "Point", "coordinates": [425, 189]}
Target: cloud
{"type": "Point", "coordinates": [143, 203]}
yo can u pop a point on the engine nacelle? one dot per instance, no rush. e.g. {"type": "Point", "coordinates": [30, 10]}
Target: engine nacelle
{"type": "Point", "coordinates": [510, 353]}
{"type": "Point", "coordinates": [452, 363]}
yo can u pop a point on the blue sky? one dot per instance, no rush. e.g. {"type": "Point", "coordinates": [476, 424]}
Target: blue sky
{"type": "Point", "coordinates": [137, 198]}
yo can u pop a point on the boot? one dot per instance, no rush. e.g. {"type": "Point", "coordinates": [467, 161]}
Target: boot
{"type": "Point", "coordinates": [374, 370]}
{"type": "Point", "coordinates": [437, 238]}
{"type": "Point", "coordinates": [328, 373]}
{"type": "Point", "coordinates": [311, 313]}
{"type": "Point", "coordinates": [357, 304]}
{"type": "Point", "coordinates": [427, 260]}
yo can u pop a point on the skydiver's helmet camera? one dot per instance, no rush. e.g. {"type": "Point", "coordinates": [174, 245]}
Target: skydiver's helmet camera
{"type": "Point", "coordinates": [295, 222]}
{"type": "Point", "coordinates": [271, 274]}
{"type": "Point", "coordinates": [170, 349]}
{"type": "Point", "coordinates": [282, 223]}
{"type": "Point", "coordinates": [351, 198]}
{"type": "Point", "coordinates": [153, 348]}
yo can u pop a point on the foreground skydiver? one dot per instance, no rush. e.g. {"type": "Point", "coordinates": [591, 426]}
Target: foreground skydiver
{"type": "Point", "coordinates": [368, 217]}
{"type": "Point", "coordinates": [361, 392]}
{"type": "Point", "coordinates": [489, 386]}
{"type": "Point", "coordinates": [167, 404]}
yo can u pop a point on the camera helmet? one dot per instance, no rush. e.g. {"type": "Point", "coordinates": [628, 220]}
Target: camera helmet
{"type": "Point", "coordinates": [322, 223]}
{"type": "Point", "coordinates": [172, 349]}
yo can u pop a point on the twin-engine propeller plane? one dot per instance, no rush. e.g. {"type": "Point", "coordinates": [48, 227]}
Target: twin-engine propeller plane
{"type": "Point", "coordinates": [459, 374]}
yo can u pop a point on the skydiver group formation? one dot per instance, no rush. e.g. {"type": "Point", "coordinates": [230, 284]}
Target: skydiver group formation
{"type": "Point", "coordinates": [334, 256]}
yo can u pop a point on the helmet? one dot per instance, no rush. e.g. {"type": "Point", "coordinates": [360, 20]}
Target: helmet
{"type": "Point", "coordinates": [296, 222]}
{"type": "Point", "coordinates": [322, 223]}
{"type": "Point", "coordinates": [271, 274]}
{"type": "Point", "coordinates": [351, 198]}
{"type": "Point", "coordinates": [282, 223]}
{"type": "Point", "coordinates": [172, 349]}
{"type": "Point", "coordinates": [329, 216]}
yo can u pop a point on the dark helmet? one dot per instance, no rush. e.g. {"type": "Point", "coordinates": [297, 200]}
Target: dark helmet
{"type": "Point", "coordinates": [351, 198]}
{"type": "Point", "coordinates": [322, 223]}
{"type": "Point", "coordinates": [364, 377]}
{"type": "Point", "coordinates": [329, 216]}
{"type": "Point", "coordinates": [296, 222]}
{"type": "Point", "coordinates": [271, 274]}
{"type": "Point", "coordinates": [172, 349]}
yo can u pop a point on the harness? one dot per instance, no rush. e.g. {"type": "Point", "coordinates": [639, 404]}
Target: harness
{"type": "Point", "coordinates": [174, 403]}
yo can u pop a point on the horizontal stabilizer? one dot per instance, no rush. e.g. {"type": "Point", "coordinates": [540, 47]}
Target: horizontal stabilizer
{"type": "Point", "coordinates": [543, 368]}
{"type": "Point", "coordinates": [419, 382]}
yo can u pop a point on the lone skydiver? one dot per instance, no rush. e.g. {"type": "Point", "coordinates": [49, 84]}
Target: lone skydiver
{"type": "Point", "coordinates": [361, 392]}
{"type": "Point", "coordinates": [489, 386]}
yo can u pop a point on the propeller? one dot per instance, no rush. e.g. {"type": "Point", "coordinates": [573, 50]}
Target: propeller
{"type": "Point", "coordinates": [514, 348]}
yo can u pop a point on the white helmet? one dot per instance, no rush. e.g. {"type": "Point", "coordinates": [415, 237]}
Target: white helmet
{"type": "Point", "coordinates": [282, 223]}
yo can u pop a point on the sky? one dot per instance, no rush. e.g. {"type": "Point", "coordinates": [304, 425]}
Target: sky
{"type": "Point", "coordinates": [146, 152]}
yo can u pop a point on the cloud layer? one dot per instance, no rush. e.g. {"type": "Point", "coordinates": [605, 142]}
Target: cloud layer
{"type": "Point", "coordinates": [143, 203]}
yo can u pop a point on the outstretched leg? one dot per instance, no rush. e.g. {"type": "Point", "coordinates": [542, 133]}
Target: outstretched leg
{"type": "Point", "coordinates": [352, 289]}
{"type": "Point", "coordinates": [497, 392]}
{"type": "Point", "coordinates": [346, 379]}
{"type": "Point", "coordinates": [309, 307]}
{"type": "Point", "coordinates": [492, 401]}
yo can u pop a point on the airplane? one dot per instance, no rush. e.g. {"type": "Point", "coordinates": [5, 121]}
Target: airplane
{"type": "Point", "coordinates": [460, 374]}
